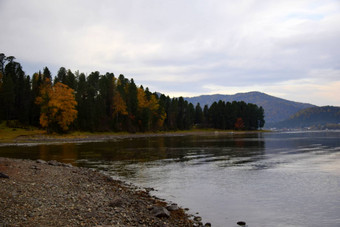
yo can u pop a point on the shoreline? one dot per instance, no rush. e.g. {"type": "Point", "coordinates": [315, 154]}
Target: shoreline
{"type": "Point", "coordinates": [39, 193]}
{"type": "Point", "coordinates": [80, 137]}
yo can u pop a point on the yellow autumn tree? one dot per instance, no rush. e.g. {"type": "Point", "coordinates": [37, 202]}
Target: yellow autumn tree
{"type": "Point", "coordinates": [58, 106]}
{"type": "Point", "coordinates": [156, 116]}
{"type": "Point", "coordinates": [119, 105]}
{"type": "Point", "coordinates": [141, 97]}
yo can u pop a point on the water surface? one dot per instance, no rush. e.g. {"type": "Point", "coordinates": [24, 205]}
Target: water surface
{"type": "Point", "coordinates": [265, 179]}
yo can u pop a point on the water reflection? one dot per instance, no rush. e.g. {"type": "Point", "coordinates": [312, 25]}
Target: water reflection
{"type": "Point", "coordinates": [66, 153]}
{"type": "Point", "coordinates": [225, 150]}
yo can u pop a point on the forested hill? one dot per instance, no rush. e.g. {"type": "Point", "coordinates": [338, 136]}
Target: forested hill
{"type": "Point", "coordinates": [275, 109]}
{"type": "Point", "coordinates": [315, 117]}
{"type": "Point", "coordinates": [74, 101]}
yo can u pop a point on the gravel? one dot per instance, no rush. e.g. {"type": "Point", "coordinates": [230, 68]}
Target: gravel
{"type": "Point", "coordinates": [39, 193]}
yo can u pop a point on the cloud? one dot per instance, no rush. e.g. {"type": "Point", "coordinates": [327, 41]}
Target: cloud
{"type": "Point", "coordinates": [182, 47]}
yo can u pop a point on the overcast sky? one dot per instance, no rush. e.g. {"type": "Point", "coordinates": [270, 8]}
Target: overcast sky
{"type": "Point", "coordinates": [286, 48]}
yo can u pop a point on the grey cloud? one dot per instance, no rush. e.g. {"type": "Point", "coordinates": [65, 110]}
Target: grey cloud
{"type": "Point", "coordinates": [228, 43]}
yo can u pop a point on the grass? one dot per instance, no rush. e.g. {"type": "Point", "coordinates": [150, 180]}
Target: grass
{"type": "Point", "coordinates": [9, 135]}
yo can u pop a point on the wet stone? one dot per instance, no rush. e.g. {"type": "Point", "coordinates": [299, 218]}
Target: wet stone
{"type": "Point", "coordinates": [160, 212]}
{"type": "Point", "coordinates": [2, 175]}
{"type": "Point", "coordinates": [172, 207]}
{"type": "Point", "coordinates": [41, 161]}
{"type": "Point", "coordinates": [198, 219]}
{"type": "Point", "coordinates": [54, 163]}
{"type": "Point", "coordinates": [241, 223]}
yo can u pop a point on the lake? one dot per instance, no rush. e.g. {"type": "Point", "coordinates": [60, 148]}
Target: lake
{"type": "Point", "coordinates": [265, 179]}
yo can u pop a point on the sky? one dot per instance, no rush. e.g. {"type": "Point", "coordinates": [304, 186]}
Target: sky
{"type": "Point", "coordinates": [286, 48]}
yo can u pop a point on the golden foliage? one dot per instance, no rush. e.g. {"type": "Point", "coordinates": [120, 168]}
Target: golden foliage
{"type": "Point", "coordinates": [119, 105]}
{"type": "Point", "coordinates": [58, 105]}
{"type": "Point", "coordinates": [143, 102]}
{"type": "Point", "coordinates": [161, 119]}
{"type": "Point", "coordinates": [152, 105]}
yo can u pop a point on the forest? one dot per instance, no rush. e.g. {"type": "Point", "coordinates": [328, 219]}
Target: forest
{"type": "Point", "coordinates": [324, 117]}
{"type": "Point", "coordinates": [74, 101]}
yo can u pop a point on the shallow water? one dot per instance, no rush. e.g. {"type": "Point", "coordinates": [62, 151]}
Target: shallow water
{"type": "Point", "coordinates": [265, 179]}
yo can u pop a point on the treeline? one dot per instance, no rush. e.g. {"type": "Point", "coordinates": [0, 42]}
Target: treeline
{"type": "Point", "coordinates": [315, 117]}
{"type": "Point", "coordinates": [235, 115]}
{"type": "Point", "coordinates": [107, 103]}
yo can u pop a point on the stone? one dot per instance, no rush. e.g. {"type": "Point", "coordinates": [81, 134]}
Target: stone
{"type": "Point", "coordinates": [41, 161]}
{"type": "Point", "coordinates": [208, 224]}
{"type": "Point", "coordinates": [160, 212]}
{"type": "Point", "coordinates": [149, 190]}
{"type": "Point", "coordinates": [2, 175]}
{"type": "Point", "coordinates": [198, 219]}
{"type": "Point", "coordinates": [35, 167]}
{"type": "Point", "coordinates": [241, 223]}
{"type": "Point", "coordinates": [172, 207]}
{"type": "Point", "coordinates": [116, 203]}
{"type": "Point", "coordinates": [69, 165]}
{"type": "Point", "coordinates": [54, 163]}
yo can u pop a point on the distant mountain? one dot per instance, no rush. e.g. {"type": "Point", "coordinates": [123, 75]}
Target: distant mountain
{"type": "Point", "coordinates": [315, 117]}
{"type": "Point", "coordinates": [275, 109]}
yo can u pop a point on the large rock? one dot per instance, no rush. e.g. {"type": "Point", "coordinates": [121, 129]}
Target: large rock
{"type": "Point", "coordinates": [172, 207]}
{"type": "Point", "coordinates": [54, 163]}
{"type": "Point", "coordinates": [2, 175]}
{"type": "Point", "coordinates": [198, 219]}
{"type": "Point", "coordinates": [160, 212]}
{"type": "Point", "coordinates": [116, 203]}
{"type": "Point", "coordinates": [241, 223]}
{"type": "Point", "coordinates": [41, 161]}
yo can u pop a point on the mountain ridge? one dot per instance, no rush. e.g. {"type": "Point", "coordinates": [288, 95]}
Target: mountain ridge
{"type": "Point", "coordinates": [314, 117]}
{"type": "Point", "coordinates": [275, 109]}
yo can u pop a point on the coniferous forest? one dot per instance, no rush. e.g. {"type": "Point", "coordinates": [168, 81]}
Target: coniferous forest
{"type": "Point", "coordinates": [95, 102]}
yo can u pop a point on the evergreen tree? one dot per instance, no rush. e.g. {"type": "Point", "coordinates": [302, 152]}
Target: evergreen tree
{"type": "Point", "coordinates": [47, 74]}
{"type": "Point", "coordinates": [132, 105]}
{"type": "Point", "coordinates": [37, 80]}
{"type": "Point", "coordinates": [81, 98]}
{"type": "Point", "coordinates": [8, 97]}
{"type": "Point", "coordinates": [198, 114]}
{"type": "Point", "coordinates": [70, 80]}
{"type": "Point", "coordinates": [2, 63]}
{"type": "Point", "coordinates": [61, 76]}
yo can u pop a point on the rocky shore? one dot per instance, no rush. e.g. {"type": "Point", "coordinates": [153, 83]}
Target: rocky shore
{"type": "Point", "coordinates": [39, 193]}
{"type": "Point", "coordinates": [74, 138]}
{"type": "Point", "coordinates": [46, 138]}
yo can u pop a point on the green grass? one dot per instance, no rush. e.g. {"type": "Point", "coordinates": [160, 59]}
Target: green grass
{"type": "Point", "coordinates": [8, 134]}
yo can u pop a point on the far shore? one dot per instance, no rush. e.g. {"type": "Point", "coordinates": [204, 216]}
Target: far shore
{"type": "Point", "coordinates": [22, 136]}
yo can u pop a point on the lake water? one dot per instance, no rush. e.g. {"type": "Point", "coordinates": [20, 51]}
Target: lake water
{"type": "Point", "coordinates": [265, 179]}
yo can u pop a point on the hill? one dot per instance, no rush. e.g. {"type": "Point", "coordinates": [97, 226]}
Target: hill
{"type": "Point", "coordinates": [315, 117]}
{"type": "Point", "coordinates": [275, 109]}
